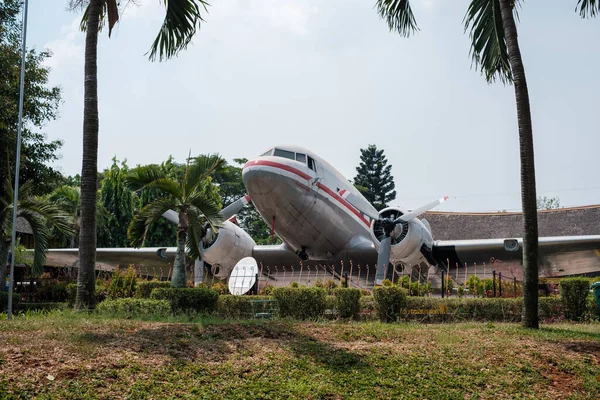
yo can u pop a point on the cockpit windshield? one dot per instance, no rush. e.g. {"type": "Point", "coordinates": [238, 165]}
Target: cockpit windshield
{"type": "Point", "coordinates": [300, 157]}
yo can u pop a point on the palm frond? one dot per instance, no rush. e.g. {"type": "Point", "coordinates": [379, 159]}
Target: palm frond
{"type": "Point", "coordinates": [150, 213]}
{"type": "Point", "coordinates": [152, 177]}
{"type": "Point", "coordinates": [200, 169]}
{"type": "Point", "coordinates": [588, 8]}
{"type": "Point", "coordinates": [206, 207]}
{"type": "Point", "coordinates": [488, 44]}
{"type": "Point", "coordinates": [182, 18]}
{"type": "Point", "coordinates": [398, 15]}
{"type": "Point", "coordinates": [41, 239]}
{"type": "Point", "coordinates": [51, 213]}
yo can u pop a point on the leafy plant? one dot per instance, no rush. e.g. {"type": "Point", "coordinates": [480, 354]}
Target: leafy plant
{"type": "Point", "coordinates": [574, 293]}
{"type": "Point", "coordinates": [145, 288]}
{"type": "Point", "coordinates": [197, 300]}
{"type": "Point", "coordinates": [122, 285]}
{"type": "Point", "coordinates": [347, 302]}
{"type": "Point", "coordinates": [390, 301]}
{"type": "Point", "coordinates": [301, 303]}
{"type": "Point", "coordinates": [133, 307]}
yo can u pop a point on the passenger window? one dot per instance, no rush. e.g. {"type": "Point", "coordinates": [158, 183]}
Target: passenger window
{"type": "Point", "coordinates": [301, 157]}
{"type": "Point", "coordinates": [284, 154]}
{"type": "Point", "coordinates": [268, 153]}
{"type": "Point", "coordinates": [311, 164]}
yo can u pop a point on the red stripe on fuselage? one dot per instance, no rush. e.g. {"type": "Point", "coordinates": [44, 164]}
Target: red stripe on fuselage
{"type": "Point", "coordinates": [307, 177]}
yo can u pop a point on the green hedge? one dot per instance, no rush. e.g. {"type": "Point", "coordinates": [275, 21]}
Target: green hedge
{"type": "Point", "coordinates": [144, 288]}
{"type": "Point", "coordinates": [199, 300]}
{"type": "Point", "coordinates": [4, 301]}
{"type": "Point", "coordinates": [479, 309]}
{"type": "Point", "coordinates": [23, 306]}
{"type": "Point", "coordinates": [390, 300]}
{"type": "Point", "coordinates": [347, 302]}
{"type": "Point", "coordinates": [131, 307]}
{"type": "Point", "coordinates": [574, 293]}
{"type": "Point", "coordinates": [230, 306]}
{"type": "Point", "coordinates": [301, 303]}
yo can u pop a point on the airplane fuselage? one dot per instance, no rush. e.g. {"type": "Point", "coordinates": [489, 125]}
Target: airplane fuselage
{"type": "Point", "coordinates": [298, 194]}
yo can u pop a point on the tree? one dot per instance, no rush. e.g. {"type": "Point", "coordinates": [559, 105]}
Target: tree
{"type": "Point", "coordinates": [39, 213]}
{"type": "Point", "coordinates": [495, 51]}
{"type": "Point", "coordinates": [193, 198]}
{"type": "Point", "coordinates": [545, 203]}
{"type": "Point", "coordinates": [118, 201]}
{"type": "Point", "coordinates": [374, 177]}
{"type": "Point", "coordinates": [182, 18]}
{"type": "Point", "coordinates": [40, 106]}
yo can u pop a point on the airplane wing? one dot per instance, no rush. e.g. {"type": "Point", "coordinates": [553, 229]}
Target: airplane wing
{"type": "Point", "coordinates": [147, 260]}
{"type": "Point", "coordinates": [559, 256]}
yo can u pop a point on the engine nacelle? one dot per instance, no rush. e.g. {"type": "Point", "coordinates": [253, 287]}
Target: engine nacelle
{"type": "Point", "coordinates": [407, 240]}
{"type": "Point", "coordinates": [231, 245]}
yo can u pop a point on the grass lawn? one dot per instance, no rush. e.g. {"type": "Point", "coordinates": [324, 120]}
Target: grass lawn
{"type": "Point", "coordinates": [66, 355]}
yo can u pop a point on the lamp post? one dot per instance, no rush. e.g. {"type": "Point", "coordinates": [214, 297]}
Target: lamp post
{"type": "Point", "coordinates": [17, 164]}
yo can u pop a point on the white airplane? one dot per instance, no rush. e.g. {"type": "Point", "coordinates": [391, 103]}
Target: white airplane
{"type": "Point", "coordinates": [324, 220]}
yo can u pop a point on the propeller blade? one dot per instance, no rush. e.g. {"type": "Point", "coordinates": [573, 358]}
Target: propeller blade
{"type": "Point", "coordinates": [172, 216]}
{"type": "Point", "coordinates": [235, 207]}
{"type": "Point", "coordinates": [418, 211]}
{"type": "Point", "coordinates": [360, 204]}
{"type": "Point", "coordinates": [383, 259]}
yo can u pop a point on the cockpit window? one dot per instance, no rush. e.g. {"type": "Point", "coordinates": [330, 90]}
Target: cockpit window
{"type": "Point", "coordinates": [311, 164]}
{"type": "Point", "coordinates": [284, 154]}
{"type": "Point", "coordinates": [301, 157]}
{"type": "Point", "coordinates": [267, 153]}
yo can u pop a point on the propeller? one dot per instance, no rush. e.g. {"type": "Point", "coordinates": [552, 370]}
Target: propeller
{"type": "Point", "coordinates": [388, 225]}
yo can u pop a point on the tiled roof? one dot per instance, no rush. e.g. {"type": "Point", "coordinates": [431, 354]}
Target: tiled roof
{"type": "Point", "coordinates": [559, 222]}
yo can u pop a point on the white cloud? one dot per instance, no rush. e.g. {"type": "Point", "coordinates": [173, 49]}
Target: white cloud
{"type": "Point", "coordinates": [68, 49]}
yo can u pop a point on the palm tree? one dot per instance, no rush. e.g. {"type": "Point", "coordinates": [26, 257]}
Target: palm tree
{"type": "Point", "coordinates": [68, 198]}
{"type": "Point", "coordinates": [495, 50]}
{"type": "Point", "coordinates": [191, 199]}
{"type": "Point", "coordinates": [39, 214]}
{"type": "Point", "coordinates": [182, 18]}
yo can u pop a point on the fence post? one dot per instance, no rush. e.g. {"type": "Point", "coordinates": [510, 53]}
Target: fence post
{"type": "Point", "coordinates": [500, 283]}
{"type": "Point", "coordinates": [494, 278]}
{"type": "Point", "coordinates": [515, 285]}
{"type": "Point", "coordinates": [443, 289]}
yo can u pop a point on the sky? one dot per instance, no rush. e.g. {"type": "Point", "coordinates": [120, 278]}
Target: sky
{"type": "Point", "coordinates": [330, 76]}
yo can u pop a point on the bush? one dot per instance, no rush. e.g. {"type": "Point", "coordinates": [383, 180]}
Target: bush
{"type": "Point", "coordinates": [220, 287]}
{"type": "Point", "coordinates": [301, 303]}
{"type": "Point", "coordinates": [4, 301]}
{"type": "Point", "coordinates": [367, 305]}
{"type": "Point", "coordinates": [390, 301]}
{"type": "Point", "coordinates": [230, 306]}
{"type": "Point", "coordinates": [551, 308]}
{"type": "Point", "coordinates": [347, 302]}
{"type": "Point", "coordinates": [267, 290]}
{"type": "Point", "coordinates": [71, 293]}
{"type": "Point", "coordinates": [200, 300]}
{"type": "Point", "coordinates": [49, 290]}
{"type": "Point", "coordinates": [131, 307]}
{"type": "Point", "coordinates": [508, 310]}
{"type": "Point", "coordinates": [145, 288]}
{"type": "Point", "coordinates": [574, 293]}
{"type": "Point", "coordinates": [122, 285]}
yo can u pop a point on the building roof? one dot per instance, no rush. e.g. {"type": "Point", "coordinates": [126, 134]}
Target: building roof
{"type": "Point", "coordinates": [23, 226]}
{"type": "Point", "coordinates": [559, 222]}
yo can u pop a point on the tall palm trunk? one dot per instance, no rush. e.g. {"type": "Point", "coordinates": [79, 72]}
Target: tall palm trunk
{"type": "Point", "coordinates": [4, 249]}
{"type": "Point", "coordinates": [179, 276]}
{"type": "Point", "coordinates": [89, 166]}
{"type": "Point", "coordinates": [528, 191]}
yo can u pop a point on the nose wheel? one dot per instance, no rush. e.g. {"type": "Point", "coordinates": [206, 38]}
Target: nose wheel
{"type": "Point", "coordinates": [302, 254]}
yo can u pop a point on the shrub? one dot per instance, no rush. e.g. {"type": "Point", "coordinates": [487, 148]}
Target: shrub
{"type": "Point", "coordinates": [367, 305]}
{"type": "Point", "coordinates": [267, 290]}
{"type": "Point", "coordinates": [49, 290]}
{"type": "Point", "coordinates": [386, 282]}
{"type": "Point", "coordinates": [294, 284]}
{"type": "Point", "coordinates": [145, 288]}
{"type": "Point", "coordinates": [220, 287]}
{"type": "Point", "coordinates": [301, 303]}
{"type": "Point", "coordinates": [330, 285]}
{"type": "Point", "coordinates": [404, 282]}
{"type": "Point", "coordinates": [71, 293]}
{"type": "Point", "coordinates": [4, 301]}
{"type": "Point", "coordinates": [131, 307]}
{"type": "Point", "coordinates": [200, 300]}
{"type": "Point", "coordinates": [122, 285]}
{"type": "Point", "coordinates": [461, 291]}
{"type": "Point", "coordinates": [390, 301]}
{"type": "Point", "coordinates": [574, 293]}
{"type": "Point", "coordinates": [551, 308]}
{"type": "Point", "coordinates": [319, 283]}
{"type": "Point", "coordinates": [461, 309]}
{"type": "Point", "coordinates": [347, 302]}
{"type": "Point", "coordinates": [230, 306]}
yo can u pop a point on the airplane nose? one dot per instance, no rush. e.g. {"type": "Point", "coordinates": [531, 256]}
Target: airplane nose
{"type": "Point", "coordinates": [259, 181]}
